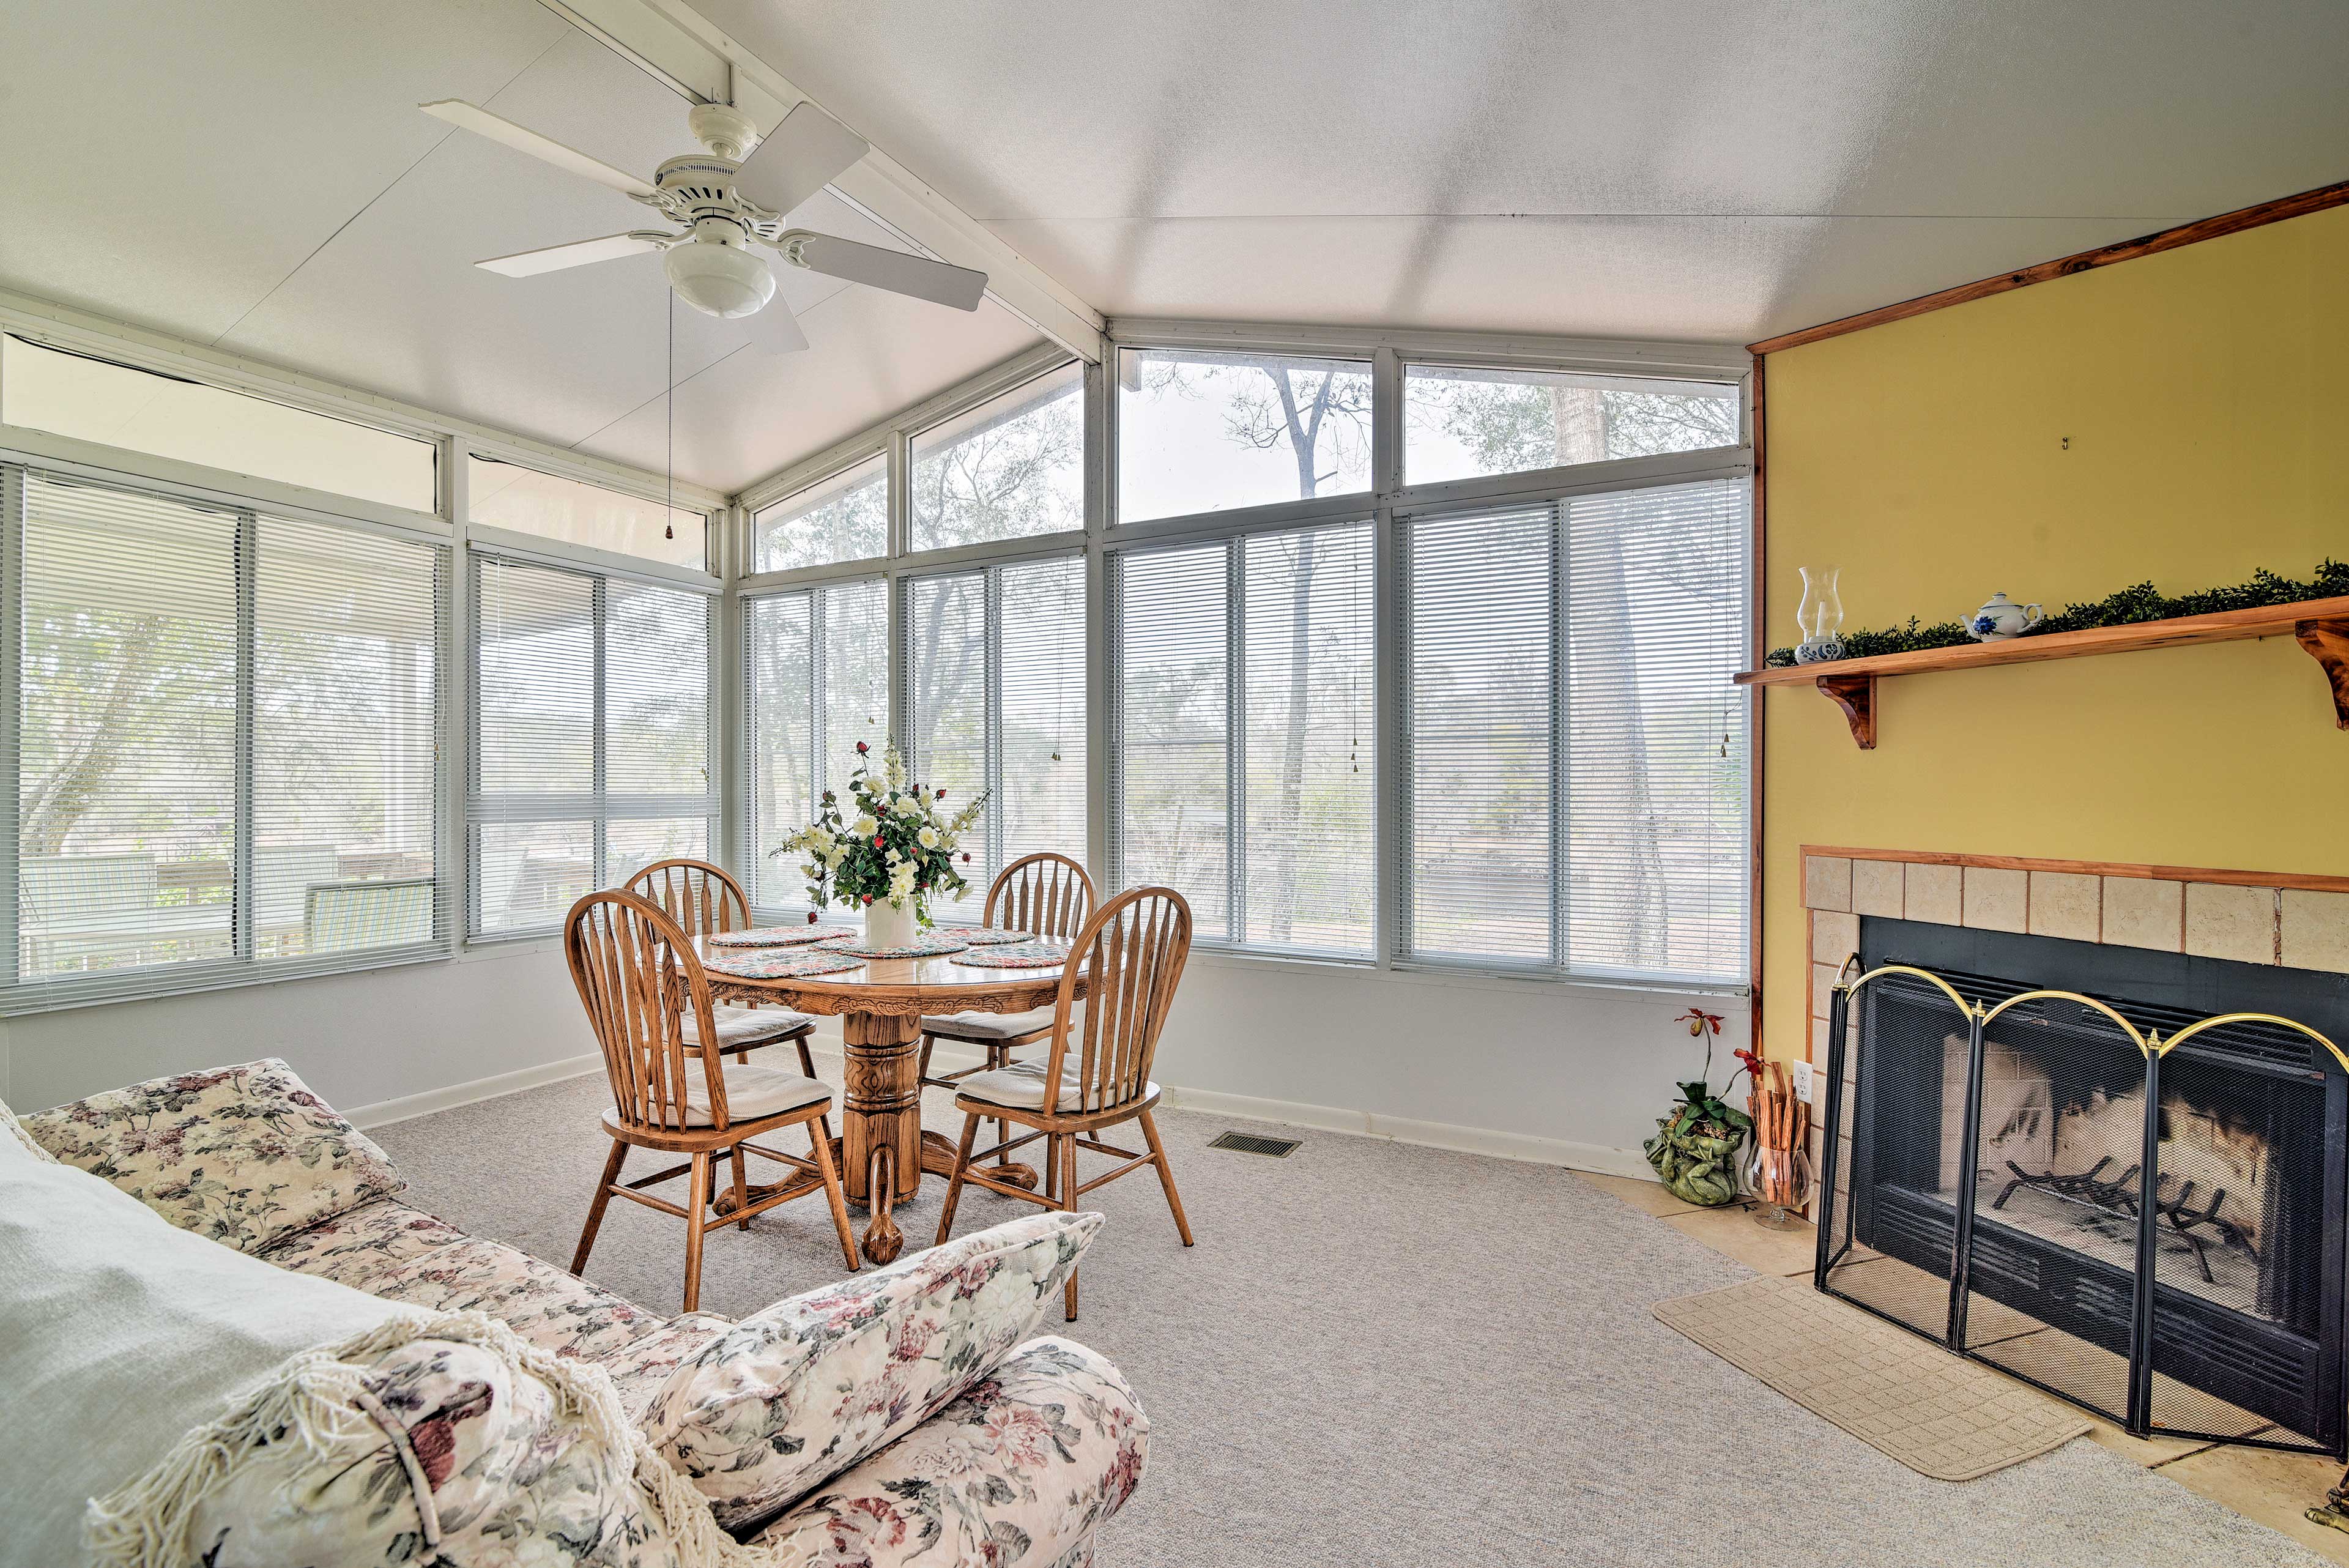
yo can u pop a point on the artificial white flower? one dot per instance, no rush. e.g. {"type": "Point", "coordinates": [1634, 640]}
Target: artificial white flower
{"type": "Point", "coordinates": [866, 827]}
{"type": "Point", "coordinates": [929, 837]}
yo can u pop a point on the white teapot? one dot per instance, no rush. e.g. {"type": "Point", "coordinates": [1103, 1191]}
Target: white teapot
{"type": "Point", "coordinates": [2001, 619]}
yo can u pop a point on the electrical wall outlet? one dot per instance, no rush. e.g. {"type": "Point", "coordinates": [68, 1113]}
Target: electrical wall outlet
{"type": "Point", "coordinates": [1802, 1082]}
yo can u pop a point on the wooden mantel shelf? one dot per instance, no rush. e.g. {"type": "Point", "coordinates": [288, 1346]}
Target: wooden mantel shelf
{"type": "Point", "coordinates": [2320, 626]}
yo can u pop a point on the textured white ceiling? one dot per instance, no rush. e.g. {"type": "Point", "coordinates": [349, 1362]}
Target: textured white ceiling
{"type": "Point", "coordinates": [254, 175]}
{"type": "Point", "coordinates": [1680, 168]}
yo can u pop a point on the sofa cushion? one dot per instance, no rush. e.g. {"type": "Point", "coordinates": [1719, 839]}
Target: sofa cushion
{"type": "Point", "coordinates": [438, 1439]}
{"type": "Point", "coordinates": [798, 1393]}
{"type": "Point", "coordinates": [122, 1333]}
{"type": "Point", "coordinates": [1017, 1472]}
{"type": "Point", "coordinates": [244, 1156]}
{"type": "Point", "coordinates": [404, 1254]}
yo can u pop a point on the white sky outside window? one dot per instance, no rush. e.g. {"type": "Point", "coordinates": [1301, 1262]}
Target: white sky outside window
{"type": "Point", "coordinates": [844, 518]}
{"type": "Point", "coordinates": [1464, 424]}
{"type": "Point", "coordinates": [46, 389]}
{"type": "Point", "coordinates": [508, 495]}
{"type": "Point", "coordinates": [1207, 432]}
{"type": "Point", "coordinates": [1012, 468]}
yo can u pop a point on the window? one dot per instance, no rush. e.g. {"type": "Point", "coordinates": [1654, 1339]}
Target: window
{"type": "Point", "coordinates": [1202, 431]}
{"type": "Point", "coordinates": [1461, 423]}
{"type": "Point", "coordinates": [591, 737]}
{"type": "Point", "coordinates": [844, 518]}
{"type": "Point", "coordinates": [503, 494]}
{"type": "Point", "coordinates": [226, 725]}
{"type": "Point", "coordinates": [815, 680]}
{"type": "Point", "coordinates": [1011, 468]}
{"type": "Point", "coordinates": [88, 399]}
{"type": "Point", "coordinates": [995, 661]}
{"type": "Point", "coordinates": [1243, 772]}
{"type": "Point", "coordinates": [1575, 759]}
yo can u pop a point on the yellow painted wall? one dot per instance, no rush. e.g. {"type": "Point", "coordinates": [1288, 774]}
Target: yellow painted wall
{"type": "Point", "coordinates": [2206, 395]}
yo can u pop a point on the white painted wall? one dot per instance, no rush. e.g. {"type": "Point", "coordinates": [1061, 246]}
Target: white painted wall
{"type": "Point", "coordinates": [1563, 1074]}
{"type": "Point", "coordinates": [1567, 1073]}
{"type": "Point", "coordinates": [356, 1039]}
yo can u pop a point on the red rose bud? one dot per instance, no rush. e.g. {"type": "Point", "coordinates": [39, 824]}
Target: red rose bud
{"type": "Point", "coordinates": [966, 856]}
{"type": "Point", "coordinates": [810, 917]}
{"type": "Point", "coordinates": [942, 794]}
{"type": "Point", "coordinates": [877, 842]}
{"type": "Point", "coordinates": [868, 897]}
{"type": "Point", "coordinates": [860, 750]}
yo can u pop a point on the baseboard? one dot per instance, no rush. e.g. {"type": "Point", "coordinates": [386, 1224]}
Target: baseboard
{"type": "Point", "coordinates": [1525, 1146]}
{"type": "Point", "coordinates": [383, 1112]}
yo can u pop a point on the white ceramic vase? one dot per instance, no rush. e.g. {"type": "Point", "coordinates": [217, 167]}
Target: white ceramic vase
{"type": "Point", "coordinates": [886, 926]}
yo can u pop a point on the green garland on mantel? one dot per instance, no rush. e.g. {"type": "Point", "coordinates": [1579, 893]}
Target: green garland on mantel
{"type": "Point", "coordinates": [2127, 607]}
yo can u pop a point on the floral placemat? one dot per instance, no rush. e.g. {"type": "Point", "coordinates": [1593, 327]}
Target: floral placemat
{"type": "Point", "coordinates": [1020, 955]}
{"type": "Point", "coordinates": [778, 935]}
{"type": "Point", "coordinates": [932, 946]}
{"type": "Point", "coordinates": [983, 936]}
{"type": "Point", "coordinates": [780, 964]}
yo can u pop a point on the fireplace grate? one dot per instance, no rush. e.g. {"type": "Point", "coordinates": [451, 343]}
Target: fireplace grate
{"type": "Point", "coordinates": [2154, 1234]}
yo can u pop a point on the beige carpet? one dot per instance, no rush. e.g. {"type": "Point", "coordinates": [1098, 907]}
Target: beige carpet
{"type": "Point", "coordinates": [1380, 1355]}
{"type": "Point", "coordinates": [1940, 1414]}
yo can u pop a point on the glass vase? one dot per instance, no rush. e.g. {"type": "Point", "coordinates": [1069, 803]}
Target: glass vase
{"type": "Point", "coordinates": [1820, 616]}
{"type": "Point", "coordinates": [1779, 1180]}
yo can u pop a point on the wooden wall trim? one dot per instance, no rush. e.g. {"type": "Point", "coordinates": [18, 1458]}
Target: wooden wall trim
{"type": "Point", "coordinates": [2235, 222]}
{"type": "Point", "coordinates": [2298, 881]}
{"type": "Point", "coordinates": [1754, 762]}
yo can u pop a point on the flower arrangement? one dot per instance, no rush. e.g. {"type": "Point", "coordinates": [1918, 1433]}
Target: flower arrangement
{"type": "Point", "coordinates": [1695, 1147]}
{"type": "Point", "coordinates": [897, 847]}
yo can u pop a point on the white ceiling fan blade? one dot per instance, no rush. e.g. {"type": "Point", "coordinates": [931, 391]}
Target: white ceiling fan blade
{"type": "Point", "coordinates": [578, 252]}
{"type": "Point", "coordinates": [892, 270]}
{"type": "Point", "coordinates": [774, 331]}
{"type": "Point", "coordinates": [799, 157]}
{"type": "Point", "coordinates": [481, 122]}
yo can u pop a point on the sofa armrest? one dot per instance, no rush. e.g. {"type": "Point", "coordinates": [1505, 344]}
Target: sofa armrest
{"type": "Point", "coordinates": [244, 1156]}
{"type": "Point", "coordinates": [1018, 1473]}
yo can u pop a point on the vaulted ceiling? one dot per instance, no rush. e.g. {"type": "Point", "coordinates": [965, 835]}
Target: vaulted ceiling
{"type": "Point", "coordinates": [254, 175]}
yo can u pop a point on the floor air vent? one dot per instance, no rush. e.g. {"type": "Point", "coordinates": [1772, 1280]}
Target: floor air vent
{"type": "Point", "coordinates": [1251, 1143]}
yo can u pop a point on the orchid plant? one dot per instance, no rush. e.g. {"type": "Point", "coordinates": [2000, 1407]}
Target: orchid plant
{"type": "Point", "coordinates": [892, 842]}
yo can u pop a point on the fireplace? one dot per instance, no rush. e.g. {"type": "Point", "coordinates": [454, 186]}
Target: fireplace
{"type": "Point", "coordinates": [2155, 1233]}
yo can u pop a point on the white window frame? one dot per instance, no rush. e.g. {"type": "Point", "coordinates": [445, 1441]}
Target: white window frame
{"type": "Point", "coordinates": [1387, 498]}
{"type": "Point", "coordinates": [44, 322]}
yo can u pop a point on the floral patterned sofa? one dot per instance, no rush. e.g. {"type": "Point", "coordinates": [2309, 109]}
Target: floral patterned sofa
{"type": "Point", "coordinates": [907, 1458]}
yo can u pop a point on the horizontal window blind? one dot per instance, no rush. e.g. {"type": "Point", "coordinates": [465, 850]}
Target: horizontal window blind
{"type": "Point", "coordinates": [996, 658]}
{"type": "Point", "coordinates": [1575, 796]}
{"type": "Point", "coordinates": [591, 737]}
{"type": "Point", "coordinates": [1242, 775]}
{"type": "Point", "coordinates": [226, 761]}
{"type": "Point", "coordinates": [815, 680]}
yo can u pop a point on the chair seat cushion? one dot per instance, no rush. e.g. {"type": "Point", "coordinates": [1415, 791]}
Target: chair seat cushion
{"type": "Point", "coordinates": [745, 1025]}
{"type": "Point", "coordinates": [751, 1092]}
{"type": "Point", "coordinates": [987, 1025]}
{"type": "Point", "coordinates": [1021, 1085]}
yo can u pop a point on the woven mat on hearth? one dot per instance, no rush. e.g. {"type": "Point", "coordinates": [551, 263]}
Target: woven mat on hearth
{"type": "Point", "coordinates": [1940, 1414]}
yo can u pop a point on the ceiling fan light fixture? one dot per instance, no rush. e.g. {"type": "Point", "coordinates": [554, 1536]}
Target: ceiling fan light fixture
{"type": "Point", "coordinates": [720, 280]}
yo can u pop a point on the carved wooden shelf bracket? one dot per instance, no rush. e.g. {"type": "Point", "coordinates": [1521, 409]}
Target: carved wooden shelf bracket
{"type": "Point", "coordinates": [1856, 695]}
{"type": "Point", "coordinates": [2320, 626]}
{"type": "Point", "coordinates": [2327, 642]}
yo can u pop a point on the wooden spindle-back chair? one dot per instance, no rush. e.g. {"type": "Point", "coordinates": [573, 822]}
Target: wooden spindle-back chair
{"type": "Point", "coordinates": [639, 981]}
{"type": "Point", "coordinates": [1130, 956]}
{"type": "Point", "coordinates": [1046, 895]}
{"type": "Point", "coordinates": [703, 899]}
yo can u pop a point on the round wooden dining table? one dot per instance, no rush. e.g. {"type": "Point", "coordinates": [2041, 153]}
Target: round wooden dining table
{"type": "Point", "coordinates": [882, 1150]}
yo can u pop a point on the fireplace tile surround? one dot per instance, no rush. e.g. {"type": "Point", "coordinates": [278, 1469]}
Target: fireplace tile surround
{"type": "Point", "coordinates": [2250, 917]}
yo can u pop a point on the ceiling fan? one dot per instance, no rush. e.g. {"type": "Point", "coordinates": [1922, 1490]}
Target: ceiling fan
{"type": "Point", "coordinates": [728, 199]}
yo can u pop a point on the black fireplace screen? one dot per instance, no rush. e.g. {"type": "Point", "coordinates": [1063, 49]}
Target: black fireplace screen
{"type": "Point", "coordinates": [2135, 1207]}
